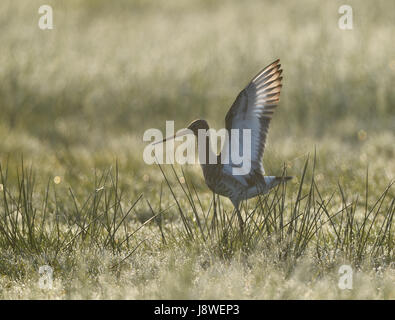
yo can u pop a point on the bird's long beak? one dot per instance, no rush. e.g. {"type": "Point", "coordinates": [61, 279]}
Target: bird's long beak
{"type": "Point", "coordinates": [180, 133]}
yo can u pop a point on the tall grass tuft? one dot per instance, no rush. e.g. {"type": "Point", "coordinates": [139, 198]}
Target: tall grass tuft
{"type": "Point", "coordinates": [290, 224]}
{"type": "Point", "coordinates": [34, 225]}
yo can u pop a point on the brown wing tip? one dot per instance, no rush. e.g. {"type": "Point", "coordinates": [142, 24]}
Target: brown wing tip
{"type": "Point", "coordinates": [284, 179]}
{"type": "Point", "coordinates": [274, 67]}
{"type": "Point", "coordinates": [274, 64]}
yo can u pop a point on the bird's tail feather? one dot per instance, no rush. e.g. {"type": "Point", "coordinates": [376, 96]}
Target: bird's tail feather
{"type": "Point", "coordinates": [272, 181]}
{"type": "Point", "coordinates": [265, 183]}
{"type": "Point", "coordinates": [284, 178]}
{"type": "Point", "coordinates": [277, 180]}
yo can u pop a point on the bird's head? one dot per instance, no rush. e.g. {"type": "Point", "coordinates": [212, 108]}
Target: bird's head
{"type": "Point", "coordinates": [193, 127]}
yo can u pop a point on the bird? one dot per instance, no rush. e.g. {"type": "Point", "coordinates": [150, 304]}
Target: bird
{"type": "Point", "coordinates": [253, 109]}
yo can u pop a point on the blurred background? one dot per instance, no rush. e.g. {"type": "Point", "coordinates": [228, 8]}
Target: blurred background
{"type": "Point", "coordinates": [81, 95]}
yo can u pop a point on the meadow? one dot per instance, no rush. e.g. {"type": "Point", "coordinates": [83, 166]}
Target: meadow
{"type": "Point", "coordinates": [76, 195]}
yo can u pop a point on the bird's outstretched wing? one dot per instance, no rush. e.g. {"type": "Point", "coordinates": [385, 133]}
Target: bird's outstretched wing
{"type": "Point", "coordinates": [253, 109]}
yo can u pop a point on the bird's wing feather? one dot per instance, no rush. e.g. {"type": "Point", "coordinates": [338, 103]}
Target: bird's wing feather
{"type": "Point", "coordinates": [253, 109]}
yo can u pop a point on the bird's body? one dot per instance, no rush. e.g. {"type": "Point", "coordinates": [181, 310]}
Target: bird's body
{"type": "Point", "coordinates": [226, 185]}
{"type": "Point", "coordinates": [220, 180]}
{"type": "Point", "coordinates": [252, 109]}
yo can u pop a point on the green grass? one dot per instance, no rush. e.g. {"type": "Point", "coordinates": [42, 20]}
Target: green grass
{"type": "Point", "coordinates": [76, 194]}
